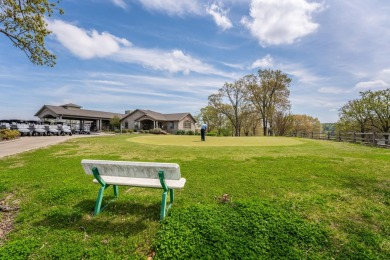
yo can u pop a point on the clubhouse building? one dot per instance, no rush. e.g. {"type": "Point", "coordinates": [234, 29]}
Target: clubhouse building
{"type": "Point", "coordinates": [98, 120]}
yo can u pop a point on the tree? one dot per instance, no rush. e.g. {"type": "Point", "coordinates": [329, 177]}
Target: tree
{"type": "Point", "coordinates": [251, 122]}
{"type": "Point", "coordinates": [304, 124]}
{"type": "Point", "coordinates": [328, 127]}
{"type": "Point", "coordinates": [282, 123]}
{"type": "Point", "coordinates": [268, 92]}
{"type": "Point", "coordinates": [23, 22]}
{"type": "Point", "coordinates": [355, 113]}
{"type": "Point", "coordinates": [215, 120]}
{"type": "Point", "coordinates": [115, 122]}
{"type": "Point", "coordinates": [230, 101]}
{"type": "Point", "coordinates": [378, 103]}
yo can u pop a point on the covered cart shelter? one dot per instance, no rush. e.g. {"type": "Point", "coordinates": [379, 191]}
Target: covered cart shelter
{"type": "Point", "coordinates": [98, 120]}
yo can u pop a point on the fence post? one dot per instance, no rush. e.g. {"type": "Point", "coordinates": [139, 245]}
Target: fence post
{"type": "Point", "coordinates": [339, 137]}
{"type": "Point", "coordinates": [328, 135]}
{"type": "Point", "coordinates": [374, 142]}
{"type": "Point", "coordinates": [354, 137]}
{"type": "Point", "coordinates": [312, 135]}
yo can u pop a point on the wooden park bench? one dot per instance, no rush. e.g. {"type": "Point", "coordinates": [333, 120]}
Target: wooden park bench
{"type": "Point", "coordinates": [165, 176]}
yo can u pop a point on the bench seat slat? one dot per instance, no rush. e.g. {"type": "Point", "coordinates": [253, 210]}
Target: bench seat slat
{"type": "Point", "coordinates": [142, 182]}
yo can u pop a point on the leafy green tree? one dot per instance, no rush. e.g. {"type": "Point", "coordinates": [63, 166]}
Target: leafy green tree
{"type": "Point", "coordinates": [215, 120]}
{"type": "Point", "coordinates": [356, 115]}
{"type": "Point", "coordinates": [115, 122]}
{"type": "Point", "coordinates": [282, 123]}
{"type": "Point", "coordinates": [378, 103]}
{"type": "Point", "coordinates": [230, 101]}
{"type": "Point", "coordinates": [268, 91]}
{"type": "Point", "coordinates": [251, 122]}
{"type": "Point", "coordinates": [23, 22]}
{"type": "Point", "coordinates": [328, 127]}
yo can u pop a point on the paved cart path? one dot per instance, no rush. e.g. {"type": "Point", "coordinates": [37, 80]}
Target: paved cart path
{"type": "Point", "coordinates": [28, 143]}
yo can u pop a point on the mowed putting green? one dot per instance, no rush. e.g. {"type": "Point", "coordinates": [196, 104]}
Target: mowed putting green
{"type": "Point", "coordinates": [194, 140]}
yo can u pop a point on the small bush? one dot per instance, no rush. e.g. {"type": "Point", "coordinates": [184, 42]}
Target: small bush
{"type": "Point", "coordinates": [6, 134]}
{"type": "Point", "coordinates": [157, 131]}
{"type": "Point", "coordinates": [125, 131]}
{"type": "Point", "coordinates": [146, 131]}
{"type": "Point", "coordinates": [212, 133]}
{"type": "Point", "coordinates": [181, 132]}
{"type": "Point", "coordinates": [190, 132]}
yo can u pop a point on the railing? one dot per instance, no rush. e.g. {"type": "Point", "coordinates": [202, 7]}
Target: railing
{"type": "Point", "coordinates": [372, 138]}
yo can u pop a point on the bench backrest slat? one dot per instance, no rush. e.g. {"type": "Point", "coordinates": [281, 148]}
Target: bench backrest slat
{"type": "Point", "coordinates": [132, 169]}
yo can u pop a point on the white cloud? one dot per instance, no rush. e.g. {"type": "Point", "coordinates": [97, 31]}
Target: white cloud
{"type": "Point", "coordinates": [173, 61]}
{"type": "Point", "coordinates": [121, 3]}
{"type": "Point", "coordinates": [86, 44]}
{"type": "Point", "coordinates": [385, 74]}
{"type": "Point", "coordinates": [220, 15]}
{"type": "Point", "coordinates": [234, 65]}
{"type": "Point", "coordinates": [281, 22]}
{"type": "Point", "coordinates": [332, 90]}
{"type": "Point", "coordinates": [376, 84]}
{"type": "Point", "coordinates": [266, 62]}
{"type": "Point", "coordinates": [92, 44]}
{"type": "Point", "coordinates": [303, 74]}
{"type": "Point", "coordinates": [173, 7]}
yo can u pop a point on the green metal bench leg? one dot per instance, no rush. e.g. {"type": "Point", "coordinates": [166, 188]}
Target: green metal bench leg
{"type": "Point", "coordinates": [164, 208]}
{"type": "Point", "coordinates": [116, 191]}
{"type": "Point", "coordinates": [104, 186]}
{"type": "Point", "coordinates": [98, 204]}
{"type": "Point", "coordinates": [163, 205]}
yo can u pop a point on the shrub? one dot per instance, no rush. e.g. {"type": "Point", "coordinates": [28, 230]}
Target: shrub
{"type": "Point", "coordinates": [156, 131]}
{"type": "Point", "coordinates": [125, 131]}
{"type": "Point", "coordinates": [212, 133]}
{"type": "Point", "coordinates": [181, 132]}
{"type": "Point", "coordinates": [146, 131]}
{"type": "Point", "coordinates": [6, 134]}
{"type": "Point", "coordinates": [190, 132]}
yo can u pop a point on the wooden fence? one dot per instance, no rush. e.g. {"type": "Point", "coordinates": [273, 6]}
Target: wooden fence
{"type": "Point", "coordinates": [372, 138]}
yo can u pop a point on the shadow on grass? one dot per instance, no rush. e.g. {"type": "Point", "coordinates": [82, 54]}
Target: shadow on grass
{"type": "Point", "coordinates": [125, 218]}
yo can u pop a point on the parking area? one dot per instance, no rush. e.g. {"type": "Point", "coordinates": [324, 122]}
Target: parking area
{"type": "Point", "coordinates": [30, 143]}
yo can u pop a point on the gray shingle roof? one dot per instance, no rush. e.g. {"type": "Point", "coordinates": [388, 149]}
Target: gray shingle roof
{"type": "Point", "coordinates": [161, 117]}
{"type": "Point", "coordinates": [84, 113]}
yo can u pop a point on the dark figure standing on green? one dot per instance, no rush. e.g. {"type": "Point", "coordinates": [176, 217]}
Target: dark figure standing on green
{"type": "Point", "coordinates": [203, 129]}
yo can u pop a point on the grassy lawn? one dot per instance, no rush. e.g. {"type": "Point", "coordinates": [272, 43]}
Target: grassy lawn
{"type": "Point", "coordinates": [289, 197]}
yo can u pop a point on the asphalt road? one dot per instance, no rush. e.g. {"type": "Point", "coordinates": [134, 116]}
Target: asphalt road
{"type": "Point", "coordinates": [28, 143]}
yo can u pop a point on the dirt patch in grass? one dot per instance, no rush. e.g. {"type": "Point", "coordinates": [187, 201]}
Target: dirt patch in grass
{"type": "Point", "coordinates": [8, 211]}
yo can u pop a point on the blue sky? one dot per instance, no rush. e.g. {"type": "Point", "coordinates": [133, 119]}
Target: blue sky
{"type": "Point", "coordinates": [170, 55]}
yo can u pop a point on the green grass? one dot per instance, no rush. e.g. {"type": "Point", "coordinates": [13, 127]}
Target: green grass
{"type": "Point", "coordinates": [214, 141]}
{"type": "Point", "coordinates": [289, 197]}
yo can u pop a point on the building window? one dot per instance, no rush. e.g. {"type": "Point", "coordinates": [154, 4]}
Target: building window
{"type": "Point", "coordinates": [187, 124]}
{"type": "Point", "coordinates": [171, 125]}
